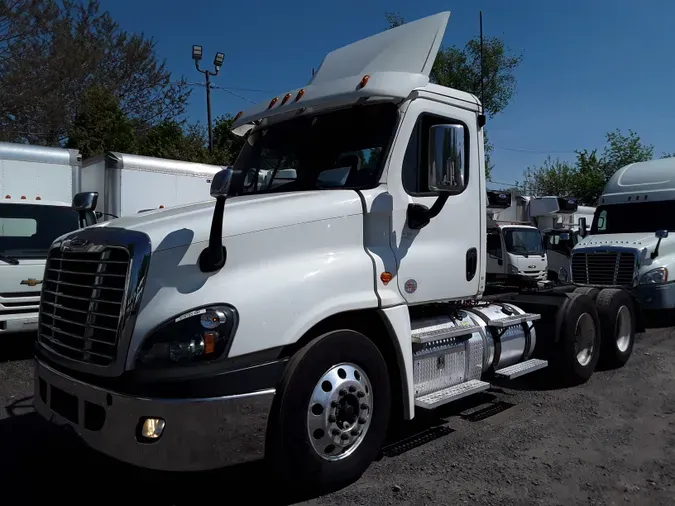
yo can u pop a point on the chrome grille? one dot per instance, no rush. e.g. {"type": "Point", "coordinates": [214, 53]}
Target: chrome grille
{"type": "Point", "coordinates": [603, 268]}
{"type": "Point", "coordinates": [82, 303]}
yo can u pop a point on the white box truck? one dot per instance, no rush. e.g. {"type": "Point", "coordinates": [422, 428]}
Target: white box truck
{"type": "Point", "coordinates": [297, 320]}
{"type": "Point", "coordinates": [629, 244]}
{"type": "Point", "coordinates": [37, 188]}
{"type": "Point", "coordinates": [129, 184]}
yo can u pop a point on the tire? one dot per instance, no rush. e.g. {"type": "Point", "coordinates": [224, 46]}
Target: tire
{"type": "Point", "coordinates": [336, 367]}
{"type": "Point", "coordinates": [576, 364]}
{"type": "Point", "coordinates": [588, 290]}
{"type": "Point", "coordinates": [617, 323]}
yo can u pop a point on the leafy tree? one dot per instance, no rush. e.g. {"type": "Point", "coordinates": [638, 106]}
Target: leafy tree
{"type": "Point", "coordinates": [586, 178]}
{"type": "Point", "coordinates": [460, 68]}
{"type": "Point", "coordinates": [226, 145]}
{"type": "Point", "coordinates": [53, 51]}
{"type": "Point", "coordinates": [100, 125]}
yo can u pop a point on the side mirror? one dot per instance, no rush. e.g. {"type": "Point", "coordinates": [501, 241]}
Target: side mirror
{"type": "Point", "coordinates": [661, 234]}
{"type": "Point", "coordinates": [214, 256]}
{"type": "Point", "coordinates": [220, 184]}
{"type": "Point", "coordinates": [583, 229]}
{"type": "Point", "coordinates": [445, 172]}
{"type": "Point", "coordinates": [85, 201]}
{"type": "Point", "coordinates": [446, 158]}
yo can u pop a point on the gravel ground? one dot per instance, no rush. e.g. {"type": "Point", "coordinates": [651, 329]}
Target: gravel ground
{"type": "Point", "coordinates": [610, 441]}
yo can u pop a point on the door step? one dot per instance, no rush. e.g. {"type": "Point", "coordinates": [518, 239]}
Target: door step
{"type": "Point", "coordinates": [514, 320]}
{"type": "Point", "coordinates": [453, 393]}
{"type": "Point", "coordinates": [521, 369]}
{"type": "Point", "coordinates": [429, 334]}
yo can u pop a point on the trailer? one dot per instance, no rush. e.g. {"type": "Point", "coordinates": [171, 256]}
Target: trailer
{"type": "Point", "coordinates": [37, 188]}
{"type": "Point", "coordinates": [629, 245]}
{"type": "Point", "coordinates": [299, 320]}
{"type": "Point", "coordinates": [133, 183]}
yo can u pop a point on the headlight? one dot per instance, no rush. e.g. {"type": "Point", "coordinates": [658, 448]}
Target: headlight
{"type": "Point", "coordinates": [655, 276]}
{"type": "Point", "coordinates": [513, 269]}
{"type": "Point", "coordinates": [201, 335]}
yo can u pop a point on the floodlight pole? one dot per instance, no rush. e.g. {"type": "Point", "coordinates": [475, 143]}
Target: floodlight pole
{"type": "Point", "coordinates": [207, 75]}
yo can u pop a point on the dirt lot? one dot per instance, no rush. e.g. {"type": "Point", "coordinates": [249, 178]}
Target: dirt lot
{"type": "Point", "coordinates": [611, 441]}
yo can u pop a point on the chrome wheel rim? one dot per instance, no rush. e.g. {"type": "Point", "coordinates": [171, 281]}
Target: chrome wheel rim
{"type": "Point", "coordinates": [584, 339]}
{"type": "Point", "coordinates": [339, 411]}
{"type": "Point", "coordinates": [624, 327]}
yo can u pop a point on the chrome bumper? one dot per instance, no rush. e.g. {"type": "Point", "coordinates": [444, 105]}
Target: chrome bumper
{"type": "Point", "coordinates": [200, 434]}
{"type": "Point", "coordinates": [15, 323]}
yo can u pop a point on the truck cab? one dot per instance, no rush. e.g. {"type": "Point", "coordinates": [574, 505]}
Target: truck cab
{"type": "Point", "coordinates": [301, 315]}
{"type": "Point", "coordinates": [515, 249]}
{"type": "Point", "coordinates": [630, 243]}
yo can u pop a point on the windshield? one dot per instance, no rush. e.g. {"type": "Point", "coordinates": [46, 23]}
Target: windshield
{"type": "Point", "coordinates": [339, 149]}
{"type": "Point", "coordinates": [523, 241]}
{"type": "Point", "coordinates": [634, 217]}
{"type": "Point", "coordinates": [27, 230]}
{"type": "Point", "coordinates": [564, 246]}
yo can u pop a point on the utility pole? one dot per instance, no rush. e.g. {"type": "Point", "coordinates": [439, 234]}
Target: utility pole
{"type": "Point", "coordinates": [217, 63]}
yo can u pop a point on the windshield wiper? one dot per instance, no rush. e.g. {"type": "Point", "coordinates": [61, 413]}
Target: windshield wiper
{"type": "Point", "coordinates": [9, 260]}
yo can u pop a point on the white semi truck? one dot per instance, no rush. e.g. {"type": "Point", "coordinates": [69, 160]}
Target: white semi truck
{"type": "Point", "coordinates": [37, 188]}
{"type": "Point", "coordinates": [297, 321]}
{"type": "Point", "coordinates": [130, 183]}
{"type": "Point", "coordinates": [629, 244]}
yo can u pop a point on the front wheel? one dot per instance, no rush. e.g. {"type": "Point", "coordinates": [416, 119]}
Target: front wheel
{"type": "Point", "coordinates": [331, 412]}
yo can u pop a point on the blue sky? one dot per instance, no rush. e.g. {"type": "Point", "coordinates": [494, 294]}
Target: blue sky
{"type": "Point", "coordinates": [589, 66]}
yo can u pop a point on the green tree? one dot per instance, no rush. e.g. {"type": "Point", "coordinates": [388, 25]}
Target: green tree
{"type": "Point", "coordinates": [460, 68]}
{"type": "Point", "coordinates": [100, 125]}
{"type": "Point", "coordinates": [587, 176]}
{"type": "Point", "coordinates": [225, 143]}
{"type": "Point", "coordinates": [53, 51]}
{"type": "Point", "coordinates": [175, 141]}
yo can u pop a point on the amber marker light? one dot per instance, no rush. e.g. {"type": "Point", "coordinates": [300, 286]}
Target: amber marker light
{"type": "Point", "coordinates": [300, 94]}
{"type": "Point", "coordinates": [285, 99]}
{"type": "Point", "coordinates": [272, 102]}
{"type": "Point", "coordinates": [364, 81]}
{"type": "Point", "coordinates": [386, 277]}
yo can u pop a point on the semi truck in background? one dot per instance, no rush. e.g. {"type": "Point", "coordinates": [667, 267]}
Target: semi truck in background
{"type": "Point", "coordinates": [629, 245]}
{"type": "Point", "coordinates": [299, 320]}
{"type": "Point", "coordinates": [37, 188]}
{"type": "Point", "coordinates": [129, 184]}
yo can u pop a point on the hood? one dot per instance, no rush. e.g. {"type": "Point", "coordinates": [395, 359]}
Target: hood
{"type": "Point", "coordinates": [638, 240]}
{"type": "Point", "coordinates": [183, 225]}
{"type": "Point", "coordinates": [28, 271]}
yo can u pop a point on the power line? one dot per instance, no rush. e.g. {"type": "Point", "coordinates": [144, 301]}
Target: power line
{"type": "Point", "coordinates": [537, 152]}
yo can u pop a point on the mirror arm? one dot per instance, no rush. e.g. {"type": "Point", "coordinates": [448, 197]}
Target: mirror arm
{"type": "Point", "coordinates": [419, 215]}
{"type": "Point", "coordinates": [655, 253]}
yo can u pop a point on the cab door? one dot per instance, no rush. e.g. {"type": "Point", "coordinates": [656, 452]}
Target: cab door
{"type": "Point", "coordinates": [442, 260]}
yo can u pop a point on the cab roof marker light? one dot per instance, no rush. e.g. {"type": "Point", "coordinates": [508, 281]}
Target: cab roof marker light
{"type": "Point", "coordinates": [272, 102]}
{"type": "Point", "coordinates": [300, 94]}
{"type": "Point", "coordinates": [364, 81]}
{"type": "Point", "coordinates": [238, 115]}
{"type": "Point", "coordinates": [285, 99]}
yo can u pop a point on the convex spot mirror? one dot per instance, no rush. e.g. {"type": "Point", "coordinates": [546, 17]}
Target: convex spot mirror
{"type": "Point", "coordinates": [220, 184]}
{"type": "Point", "coordinates": [85, 201]}
{"type": "Point", "coordinates": [446, 158]}
{"type": "Point", "coordinates": [661, 234]}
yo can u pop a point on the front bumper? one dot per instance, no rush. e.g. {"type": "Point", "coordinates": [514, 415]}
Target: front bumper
{"type": "Point", "coordinates": [15, 323]}
{"type": "Point", "coordinates": [200, 434]}
{"type": "Point", "coordinates": [656, 297]}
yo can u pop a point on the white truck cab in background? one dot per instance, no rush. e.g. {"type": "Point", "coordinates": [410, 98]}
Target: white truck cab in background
{"type": "Point", "coordinates": [630, 243]}
{"type": "Point", "coordinates": [515, 248]}
{"type": "Point", "coordinates": [37, 187]}
{"type": "Point", "coordinates": [301, 319]}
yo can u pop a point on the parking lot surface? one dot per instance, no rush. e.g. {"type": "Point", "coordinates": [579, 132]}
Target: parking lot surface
{"type": "Point", "coordinates": [610, 441]}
